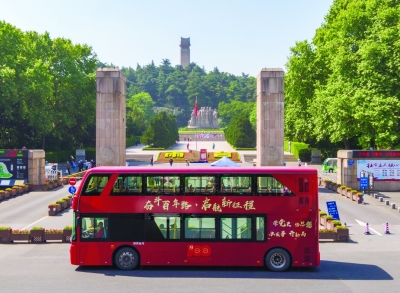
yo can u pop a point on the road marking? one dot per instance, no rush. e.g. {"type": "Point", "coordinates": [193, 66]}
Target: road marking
{"type": "Point", "coordinates": [363, 224]}
{"type": "Point", "coordinates": [34, 223]}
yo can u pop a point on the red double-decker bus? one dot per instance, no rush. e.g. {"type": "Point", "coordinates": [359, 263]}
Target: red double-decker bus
{"type": "Point", "coordinates": [256, 216]}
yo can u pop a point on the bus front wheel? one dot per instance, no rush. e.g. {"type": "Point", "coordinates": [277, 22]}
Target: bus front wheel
{"type": "Point", "coordinates": [277, 260]}
{"type": "Point", "coordinates": [126, 258]}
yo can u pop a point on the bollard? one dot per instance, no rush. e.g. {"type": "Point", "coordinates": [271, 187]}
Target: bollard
{"type": "Point", "coordinates": [381, 199]}
{"type": "Point", "coordinates": [393, 206]}
{"type": "Point", "coordinates": [367, 230]}
{"type": "Point", "coordinates": [399, 210]}
{"type": "Point", "coordinates": [386, 202]}
{"type": "Point", "coordinates": [387, 229]}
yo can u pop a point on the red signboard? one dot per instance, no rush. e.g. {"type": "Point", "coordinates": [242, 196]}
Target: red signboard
{"type": "Point", "coordinates": [72, 181]}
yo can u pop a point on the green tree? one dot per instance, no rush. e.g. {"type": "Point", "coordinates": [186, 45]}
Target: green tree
{"type": "Point", "coordinates": [240, 132]}
{"type": "Point", "coordinates": [162, 132]}
{"type": "Point", "coordinates": [229, 110]}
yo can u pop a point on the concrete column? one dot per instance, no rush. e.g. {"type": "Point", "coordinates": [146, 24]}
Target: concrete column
{"type": "Point", "coordinates": [110, 118]}
{"type": "Point", "coordinates": [270, 114]}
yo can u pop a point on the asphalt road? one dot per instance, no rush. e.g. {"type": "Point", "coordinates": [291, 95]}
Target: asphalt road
{"type": "Point", "coordinates": [365, 264]}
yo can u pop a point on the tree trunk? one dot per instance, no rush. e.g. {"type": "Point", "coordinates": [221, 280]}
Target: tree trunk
{"type": "Point", "coordinates": [346, 144]}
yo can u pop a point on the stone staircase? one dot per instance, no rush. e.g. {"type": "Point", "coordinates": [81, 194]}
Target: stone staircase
{"type": "Point", "coordinates": [139, 157]}
{"type": "Point", "coordinates": [250, 158]}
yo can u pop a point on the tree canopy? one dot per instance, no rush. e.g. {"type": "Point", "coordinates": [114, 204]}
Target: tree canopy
{"type": "Point", "coordinates": [345, 84]}
{"type": "Point", "coordinates": [162, 132]}
{"type": "Point", "coordinates": [47, 92]}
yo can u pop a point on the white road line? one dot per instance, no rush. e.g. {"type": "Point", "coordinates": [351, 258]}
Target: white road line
{"type": "Point", "coordinates": [363, 224]}
{"type": "Point", "coordinates": [34, 223]}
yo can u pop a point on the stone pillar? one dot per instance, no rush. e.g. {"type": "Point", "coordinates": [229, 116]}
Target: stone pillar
{"type": "Point", "coordinates": [110, 118]}
{"type": "Point", "coordinates": [270, 113]}
{"type": "Point", "coordinates": [185, 52]}
{"type": "Point", "coordinates": [36, 166]}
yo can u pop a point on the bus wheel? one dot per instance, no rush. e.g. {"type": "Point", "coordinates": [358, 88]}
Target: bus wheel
{"type": "Point", "coordinates": [277, 260]}
{"type": "Point", "coordinates": [126, 258]}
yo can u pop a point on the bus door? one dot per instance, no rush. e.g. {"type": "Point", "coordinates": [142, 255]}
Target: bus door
{"type": "Point", "coordinates": [94, 231]}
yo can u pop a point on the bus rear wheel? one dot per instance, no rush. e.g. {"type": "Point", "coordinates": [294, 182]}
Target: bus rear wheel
{"type": "Point", "coordinates": [277, 260]}
{"type": "Point", "coordinates": [126, 258]}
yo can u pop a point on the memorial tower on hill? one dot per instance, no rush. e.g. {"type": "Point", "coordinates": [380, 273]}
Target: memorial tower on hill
{"type": "Point", "coordinates": [185, 52]}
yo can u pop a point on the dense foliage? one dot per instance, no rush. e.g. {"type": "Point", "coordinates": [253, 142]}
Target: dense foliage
{"type": "Point", "coordinates": [344, 86]}
{"type": "Point", "coordinates": [47, 91]}
{"type": "Point", "coordinates": [162, 131]}
{"type": "Point", "coordinates": [240, 132]}
{"type": "Point", "coordinates": [176, 88]}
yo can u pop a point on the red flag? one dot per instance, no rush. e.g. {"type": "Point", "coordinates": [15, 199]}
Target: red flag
{"type": "Point", "coordinates": [196, 108]}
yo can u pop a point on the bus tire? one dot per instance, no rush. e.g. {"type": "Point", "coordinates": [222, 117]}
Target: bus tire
{"type": "Point", "coordinates": [277, 260]}
{"type": "Point", "coordinates": [126, 258]}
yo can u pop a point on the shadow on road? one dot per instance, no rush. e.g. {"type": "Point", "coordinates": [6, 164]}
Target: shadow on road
{"type": "Point", "coordinates": [328, 270]}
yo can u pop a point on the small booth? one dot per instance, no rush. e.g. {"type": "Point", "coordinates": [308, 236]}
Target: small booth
{"type": "Point", "coordinates": [384, 165]}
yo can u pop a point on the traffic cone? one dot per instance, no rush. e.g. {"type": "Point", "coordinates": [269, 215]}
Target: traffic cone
{"type": "Point", "coordinates": [367, 229]}
{"type": "Point", "coordinates": [387, 229]}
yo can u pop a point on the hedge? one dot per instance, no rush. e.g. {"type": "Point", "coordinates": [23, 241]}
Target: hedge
{"type": "Point", "coordinates": [63, 156]}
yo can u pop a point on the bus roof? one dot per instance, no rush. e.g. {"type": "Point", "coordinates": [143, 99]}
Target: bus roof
{"type": "Point", "coordinates": [202, 170]}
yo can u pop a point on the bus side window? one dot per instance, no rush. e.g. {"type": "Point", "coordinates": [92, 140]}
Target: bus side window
{"type": "Point", "coordinates": [94, 185]}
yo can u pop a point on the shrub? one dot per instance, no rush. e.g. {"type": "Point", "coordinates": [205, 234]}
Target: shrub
{"type": "Point", "coordinates": [336, 223]}
{"type": "Point", "coordinates": [35, 228]}
{"type": "Point", "coordinates": [3, 228]}
{"type": "Point", "coordinates": [341, 228]}
{"type": "Point", "coordinates": [322, 213]}
{"type": "Point", "coordinates": [326, 231]}
{"type": "Point", "coordinates": [329, 217]}
{"type": "Point", "coordinates": [53, 204]}
{"type": "Point", "coordinates": [19, 231]}
{"type": "Point", "coordinates": [68, 228]}
{"type": "Point", "coordinates": [53, 231]}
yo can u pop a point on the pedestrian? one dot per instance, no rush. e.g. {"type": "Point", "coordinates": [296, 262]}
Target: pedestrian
{"type": "Point", "coordinates": [187, 146]}
{"type": "Point", "coordinates": [151, 161]}
{"type": "Point", "coordinates": [127, 164]}
{"type": "Point", "coordinates": [319, 181]}
{"type": "Point", "coordinates": [171, 161]}
{"type": "Point", "coordinates": [213, 145]}
{"type": "Point", "coordinates": [24, 148]}
{"type": "Point", "coordinates": [80, 165]}
{"type": "Point", "coordinates": [86, 164]}
{"type": "Point", "coordinates": [68, 167]}
{"type": "Point", "coordinates": [299, 162]}
{"type": "Point", "coordinates": [187, 163]}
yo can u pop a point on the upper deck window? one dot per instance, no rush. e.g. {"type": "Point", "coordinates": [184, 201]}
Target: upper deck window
{"type": "Point", "coordinates": [235, 184]}
{"type": "Point", "coordinates": [268, 185]}
{"type": "Point", "coordinates": [163, 184]}
{"type": "Point", "coordinates": [200, 185]}
{"type": "Point", "coordinates": [95, 184]}
{"type": "Point", "coordinates": [127, 185]}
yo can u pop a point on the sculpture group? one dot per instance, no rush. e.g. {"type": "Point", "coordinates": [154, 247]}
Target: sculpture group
{"type": "Point", "coordinates": [206, 118]}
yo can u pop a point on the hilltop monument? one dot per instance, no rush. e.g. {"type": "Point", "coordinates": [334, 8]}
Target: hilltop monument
{"type": "Point", "coordinates": [270, 112]}
{"type": "Point", "coordinates": [185, 52]}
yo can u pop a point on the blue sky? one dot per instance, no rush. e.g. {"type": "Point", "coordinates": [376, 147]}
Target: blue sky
{"type": "Point", "coordinates": [235, 36]}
